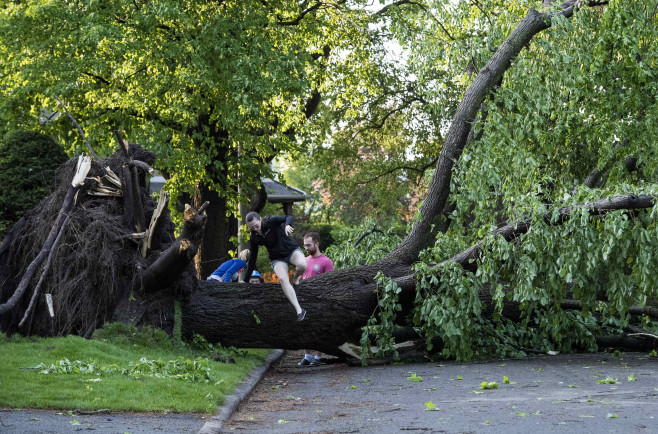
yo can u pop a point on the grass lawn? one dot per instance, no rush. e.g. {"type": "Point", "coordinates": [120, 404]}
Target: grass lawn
{"type": "Point", "coordinates": [149, 385]}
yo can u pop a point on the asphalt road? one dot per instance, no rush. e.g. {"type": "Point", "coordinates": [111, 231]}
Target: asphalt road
{"type": "Point", "coordinates": [545, 394]}
{"type": "Point", "coordinates": [58, 422]}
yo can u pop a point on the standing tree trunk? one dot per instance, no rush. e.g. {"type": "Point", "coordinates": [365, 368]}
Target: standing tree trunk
{"type": "Point", "coordinates": [216, 243]}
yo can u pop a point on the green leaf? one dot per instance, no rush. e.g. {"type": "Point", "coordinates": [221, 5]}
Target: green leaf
{"type": "Point", "coordinates": [608, 380]}
{"type": "Point", "coordinates": [430, 406]}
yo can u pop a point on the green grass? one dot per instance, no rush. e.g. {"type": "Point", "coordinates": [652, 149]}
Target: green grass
{"type": "Point", "coordinates": [116, 344]}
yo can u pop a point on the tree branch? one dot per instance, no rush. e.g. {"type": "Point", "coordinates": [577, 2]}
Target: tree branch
{"type": "Point", "coordinates": [302, 14]}
{"type": "Point", "coordinates": [509, 232]}
{"type": "Point", "coordinates": [390, 113]}
{"type": "Point", "coordinates": [424, 228]}
{"type": "Point", "coordinates": [97, 77]}
{"type": "Point", "coordinates": [399, 3]}
{"type": "Point", "coordinates": [79, 129]}
{"type": "Point", "coordinates": [600, 207]}
{"type": "Point", "coordinates": [365, 234]}
{"type": "Point", "coordinates": [46, 267]}
{"type": "Point", "coordinates": [411, 168]}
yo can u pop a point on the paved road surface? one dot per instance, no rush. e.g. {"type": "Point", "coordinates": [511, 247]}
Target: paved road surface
{"type": "Point", "coordinates": [52, 422]}
{"type": "Point", "coordinates": [546, 394]}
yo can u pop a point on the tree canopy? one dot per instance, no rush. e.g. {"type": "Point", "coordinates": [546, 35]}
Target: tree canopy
{"type": "Point", "coordinates": [215, 89]}
{"type": "Point", "coordinates": [579, 96]}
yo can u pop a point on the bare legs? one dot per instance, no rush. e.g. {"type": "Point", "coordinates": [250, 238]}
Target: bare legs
{"type": "Point", "coordinates": [299, 261]}
{"type": "Point", "coordinates": [281, 270]}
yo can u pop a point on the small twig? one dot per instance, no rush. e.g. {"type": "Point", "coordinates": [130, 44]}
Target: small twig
{"type": "Point", "coordinates": [137, 237]}
{"type": "Point", "coordinates": [79, 129]}
{"type": "Point", "coordinates": [365, 234]}
{"type": "Point", "coordinates": [101, 411]}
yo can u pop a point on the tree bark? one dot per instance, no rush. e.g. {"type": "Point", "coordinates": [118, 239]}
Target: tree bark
{"type": "Point", "coordinates": [170, 264]}
{"type": "Point", "coordinates": [214, 248]}
{"type": "Point", "coordinates": [260, 316]}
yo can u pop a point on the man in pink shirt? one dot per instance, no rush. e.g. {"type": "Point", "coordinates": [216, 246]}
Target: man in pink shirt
{"type": "Point", "coordinates": [316, 263]}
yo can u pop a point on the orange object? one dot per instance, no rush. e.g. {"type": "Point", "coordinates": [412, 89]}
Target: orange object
{"type": "Point", "coordinates": [270, 277]}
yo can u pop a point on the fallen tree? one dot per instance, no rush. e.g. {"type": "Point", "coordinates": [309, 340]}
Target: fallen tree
{"type": "Point", "coordinates": [108, 264]}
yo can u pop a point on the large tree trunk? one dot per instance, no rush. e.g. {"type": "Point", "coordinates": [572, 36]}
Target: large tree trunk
{"type": "Point", "coordinates": [216, 243]}
{"type": "Point", "coordinates": [259, 315]}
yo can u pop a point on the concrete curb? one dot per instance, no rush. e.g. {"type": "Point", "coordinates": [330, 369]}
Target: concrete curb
{"type": "Point", "coordinates": [214, 425]}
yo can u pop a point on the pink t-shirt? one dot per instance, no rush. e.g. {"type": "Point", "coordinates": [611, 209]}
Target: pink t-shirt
{"type": "Point", "coordinates": [315, 266]}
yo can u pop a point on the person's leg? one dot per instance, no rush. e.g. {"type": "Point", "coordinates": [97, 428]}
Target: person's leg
{"type": "Point", "coordinates": [316, 360]}
{"type": "Point", "coordinates": [308, 358]}
{"type": "Point", "coordinates": [281, 271]}
{"type": "Point", "coordinates": [299, 261]}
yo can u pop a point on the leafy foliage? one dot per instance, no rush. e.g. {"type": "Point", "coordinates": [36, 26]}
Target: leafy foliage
{"type": "Point", "coordinates": [215, 89]}
{"type": "Point", "coordinates": [381, 325]}
{"type": "Point", "coordinates": [180, 369]}
{"type": "Point", "coordinates": [28, 161]}
{"type": "Point", "coordinates": [488, 385]}
{"type": "Point", "coordinates": [374, 246]}
{"type": "Point", "coordinates": [579, 98]}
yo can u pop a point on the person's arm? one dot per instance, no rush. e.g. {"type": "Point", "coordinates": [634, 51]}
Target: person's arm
{"type": "Point", "coordinates": [277, 220]}
{"type": "Point", "coordinates": [329, 266]}
{"type": "Point", "coordinates": [287, 228]}
{"type": "Point", "coordinates": [253, 255]}
{"type": "Point", "coordinates": [236, 264]}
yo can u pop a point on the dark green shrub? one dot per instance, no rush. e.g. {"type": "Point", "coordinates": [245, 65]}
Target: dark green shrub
{"type": "Point", "coordinates": [127, 334]}
{"type": "Point", "coordinates": [28, 162]}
